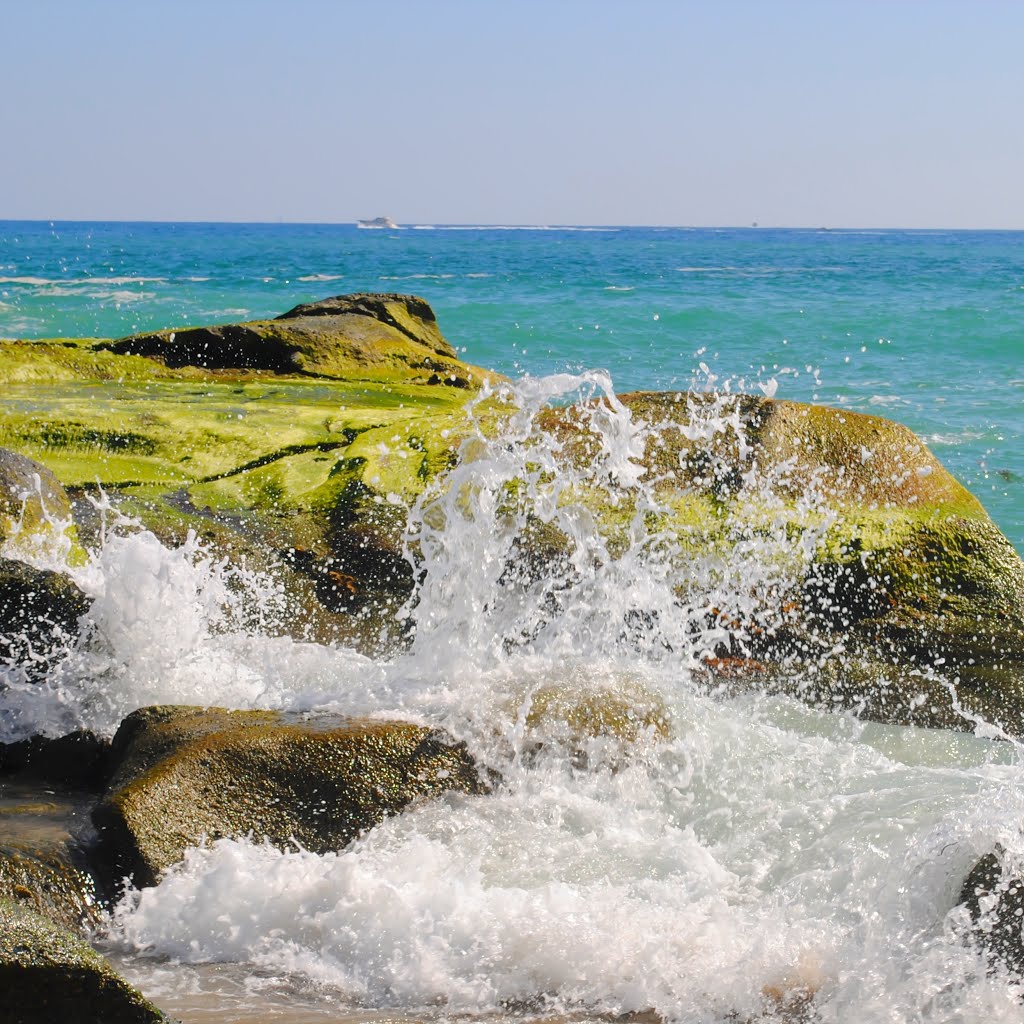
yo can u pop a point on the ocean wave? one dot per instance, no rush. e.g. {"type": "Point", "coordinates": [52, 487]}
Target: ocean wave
{"type": "Point", "coordinates": [512, 227]}
{"type": "Point", "coordinates": [99, 294]}
{"type": "Point", "coordinates": [415, 277]}
{"type": "Point", "coordinates": [619, 288]}
{"type": "Point", "coordinates": [81, 282]}
{"type": "Point", "coordinates": [760, 271]}
{"type": "Point", "coordinates": [223, 312]}
{"type": "Point", "coordinates": [320, 277]}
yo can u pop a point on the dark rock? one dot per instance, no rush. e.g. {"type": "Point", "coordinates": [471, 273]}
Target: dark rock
{"type": "Point", "coordinates": [184, 773]}
{"type": "Point", "coordinates": [407, 313]}
{"type": "Point", "coordinates": [39, 615]}
{"type": "Point", "coordinates": [48, 974]}
{"type": "Point", "coordinates": [995, 899]}
{"type": "Point", "coordinates": [344, 337]}
{"type": "Point", "coordinates": [78, 759]}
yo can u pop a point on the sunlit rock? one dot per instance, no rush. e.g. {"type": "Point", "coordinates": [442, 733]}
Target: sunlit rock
{"type": "Point", "coordinates": [184, 774]}
{"type": "Point", "coordinates": [36, 520]}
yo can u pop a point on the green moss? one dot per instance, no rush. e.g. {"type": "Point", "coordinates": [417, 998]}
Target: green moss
{"type": "Point", "coordinates": [48, 974]}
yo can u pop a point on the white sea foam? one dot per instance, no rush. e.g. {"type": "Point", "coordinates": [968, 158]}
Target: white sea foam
{"type": "Point", "coordinates": [415, 277]}
{"type": "Point", "coordinates": [321, 277]}
{"type": "Point", "coordinates": [82, 282]}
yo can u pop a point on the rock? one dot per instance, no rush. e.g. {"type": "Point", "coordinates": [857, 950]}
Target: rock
{"type": "Point", "coordinates": [182, 774]}
{"type": "Point", "coordinates": [35, 511]}
{"type": "Point", "coordinates": [995, 899]}
{"type": "Point", "coordinates": [78, 760]}
{"type": "Point", "coordinates": [48, 974]}
{"type": "Point", "coordinates": [39, 616]}
{"type": "Point", "coordinates": [351, 337]}
{"type": "Point", "coordinates": [305, 436]}
{"type": "Point", "coordinates": [45, 837]}
{"type": "Point", "coordinates": [876, 547]}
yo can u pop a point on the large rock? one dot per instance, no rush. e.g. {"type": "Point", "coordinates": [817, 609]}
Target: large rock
{"type": "Point", "coordinates": [48, 974]}
{"type": "Point", "coordinates": [184, 774]}
{"type": "Point", "coordinates": [350, 337]}
{"type": "Point", "coordinates": [889, 579]}
{"type": "Point", "coordinates": [292, 443]}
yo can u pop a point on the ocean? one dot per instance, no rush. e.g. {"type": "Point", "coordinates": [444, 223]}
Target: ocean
{"type": "Point", "coordinates": [764, 846]}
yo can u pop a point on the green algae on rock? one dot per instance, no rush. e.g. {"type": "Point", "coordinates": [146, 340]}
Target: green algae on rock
{"type": "Point", "coordinates": [35, 512]}
{"type": "Point", "coordinates": [185, 774]}
{"type": "Point", "coordinates": [48, 974]}
{"type": "Point", "coordinates": [300, 435]}
{"type": "Point", "coordinates": [864, 545]}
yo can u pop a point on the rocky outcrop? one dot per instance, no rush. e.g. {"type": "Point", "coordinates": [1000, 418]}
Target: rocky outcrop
{"type": "Point", "coordinates": [350, 337]}
{"type": "Point", "coordinates": [48, 974]}
{"type": "Point", "coordinates": [312, 434]}
{"type": "Point", "coordinates": [880, 554]}
{"type": "Point", "coordinates": [184, 774]}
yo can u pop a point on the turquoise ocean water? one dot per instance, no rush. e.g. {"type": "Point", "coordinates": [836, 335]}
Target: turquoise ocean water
{"type": "Point", "coordinates": [926, 327]}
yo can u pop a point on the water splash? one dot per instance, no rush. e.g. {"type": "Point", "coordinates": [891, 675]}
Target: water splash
{"type": "Point", "coordinates": [656, 845]}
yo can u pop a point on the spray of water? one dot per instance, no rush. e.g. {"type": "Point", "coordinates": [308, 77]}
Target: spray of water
{"type": "Point", "coordinates": [655, 844]}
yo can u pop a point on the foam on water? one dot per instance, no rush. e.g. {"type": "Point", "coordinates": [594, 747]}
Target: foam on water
{"type": "Point", "coordinates": [725, 850]}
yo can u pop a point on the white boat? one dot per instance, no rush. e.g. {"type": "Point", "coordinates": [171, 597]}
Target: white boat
{"type": "Point", "coordinates": [377, 222]}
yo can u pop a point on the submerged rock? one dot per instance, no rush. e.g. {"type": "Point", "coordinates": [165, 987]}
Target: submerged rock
{"type": "Point", "coordinates": [185, 774]}
{"type": "Point", "coordinates": [48, 974]}
{"type": "Point", "coordinates": [44, 841]}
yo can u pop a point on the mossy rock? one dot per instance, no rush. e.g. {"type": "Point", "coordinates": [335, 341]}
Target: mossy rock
{"type": "Point", "coordinates": [48, 974]}
{"type": "Point", "coordinates": [349, 337]}
{"type": "Point", "coordinates": [879, 550]}
{"type": "Point", "coordinates": [35, 512]}
{"type": "Point", "coordinates": [304, 436]}
{"type": "Point", "coordinates": [187, 774]}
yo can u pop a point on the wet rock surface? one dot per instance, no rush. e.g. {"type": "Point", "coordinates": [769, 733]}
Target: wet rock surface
{"type": "Point", "coordinates": [39, 616]}
{"type": "Point", "coordinates": [48, 974]}
{"type": "Point", "coordinates": [184, 774]}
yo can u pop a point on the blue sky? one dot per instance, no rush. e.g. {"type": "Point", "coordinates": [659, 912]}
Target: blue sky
{"type": "Point", "coordinates": [904, 113]}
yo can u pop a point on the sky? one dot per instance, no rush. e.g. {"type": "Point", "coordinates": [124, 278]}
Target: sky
{"type": "Point", "coordinates": [836, 113]}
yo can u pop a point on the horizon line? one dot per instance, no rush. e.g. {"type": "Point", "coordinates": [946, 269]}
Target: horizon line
{"type": "Point", "coordinates": [498, 225]}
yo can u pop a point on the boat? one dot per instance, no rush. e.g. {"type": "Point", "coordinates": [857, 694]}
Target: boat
{"type": "Point", "coordinates": [377, 222]}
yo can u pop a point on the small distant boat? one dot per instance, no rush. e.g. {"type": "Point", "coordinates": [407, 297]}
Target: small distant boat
{"type": "Point", "coordinates": [377, 222]}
